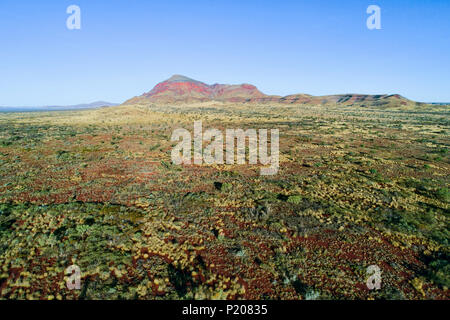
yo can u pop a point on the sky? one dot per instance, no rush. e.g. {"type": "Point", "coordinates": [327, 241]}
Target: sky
{"type": "Point", "coordinates": [125, 47]}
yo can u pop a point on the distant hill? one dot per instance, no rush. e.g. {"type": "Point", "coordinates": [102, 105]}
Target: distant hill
{"type": "Point", "coordinates": [93, 105]}
{"type": "Point", "coordinates": [96, 104]}
{"type": "Point", "coordinates": [440, 103]}
{"type": "Point", "coordinates": [179, 88]}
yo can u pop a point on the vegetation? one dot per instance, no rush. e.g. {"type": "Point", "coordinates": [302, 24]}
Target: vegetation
{"type": "Point", "coordinates": [97, 188]}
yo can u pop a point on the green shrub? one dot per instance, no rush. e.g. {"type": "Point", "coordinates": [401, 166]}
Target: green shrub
{"type": "Point", "coordinates": [295, 199]}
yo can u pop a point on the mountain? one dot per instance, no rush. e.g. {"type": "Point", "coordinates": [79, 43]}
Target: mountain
{"type": "Point", "coordinates": [349, 99]}
{"type": "Point", "coordinates": [93, 105]}
{"type": "Point", "coordinates": [183, 89]}
{"type": "Point", "coordinates": [179, 88]}
{"type": "Point", "coordinates": [96, 104]}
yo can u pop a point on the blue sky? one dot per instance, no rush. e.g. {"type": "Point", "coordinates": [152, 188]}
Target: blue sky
{"type": "Point", "coordinates": [125, 47]}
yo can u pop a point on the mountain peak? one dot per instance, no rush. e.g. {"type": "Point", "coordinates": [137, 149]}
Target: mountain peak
{"type": "Point", "coordinates": [180, 78]}
{"type": "Point", "coordinates": [184, 89]}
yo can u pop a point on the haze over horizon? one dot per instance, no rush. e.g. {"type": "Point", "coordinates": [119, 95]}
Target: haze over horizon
{"type": "Point", "coordinates": [125, 48]}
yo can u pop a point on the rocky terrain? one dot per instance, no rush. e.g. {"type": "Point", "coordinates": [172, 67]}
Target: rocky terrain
{"type": "Point", "coordinates": [181, 89]}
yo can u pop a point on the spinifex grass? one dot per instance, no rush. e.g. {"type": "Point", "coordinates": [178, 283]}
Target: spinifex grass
{"type": "Point", "coordinates": [356, 187]}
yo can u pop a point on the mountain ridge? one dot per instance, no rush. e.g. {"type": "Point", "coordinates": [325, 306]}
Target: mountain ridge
{"type": "Point", "coordinates": [179, 88]}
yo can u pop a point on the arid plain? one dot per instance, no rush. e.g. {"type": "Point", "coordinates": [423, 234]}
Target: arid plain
{"type": "Point", "coordinates": [356, 186]}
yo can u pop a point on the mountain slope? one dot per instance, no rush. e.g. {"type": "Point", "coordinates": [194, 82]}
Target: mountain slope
{"type": "Point", "coordinates": [179, 88]}
{"type": "Point", "coordinates": [183, 89]}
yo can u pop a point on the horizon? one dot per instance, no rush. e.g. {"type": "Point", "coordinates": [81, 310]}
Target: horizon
{"type": "Point", "coordinates": [124, 49]}
{"type": "Point", "coordinates": [111, 104]}
{"type": "Point", "coordinates": [61, 106]}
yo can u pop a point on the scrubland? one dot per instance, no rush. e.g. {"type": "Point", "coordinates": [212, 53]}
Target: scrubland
{"type": "Point", "coordinates": [96, 188]}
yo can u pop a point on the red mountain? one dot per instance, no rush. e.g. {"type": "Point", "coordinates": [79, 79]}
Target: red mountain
{"type": "Point", "coordinates": [183, 89]}
{"type": "Point", "coordinates": [180, 88]}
